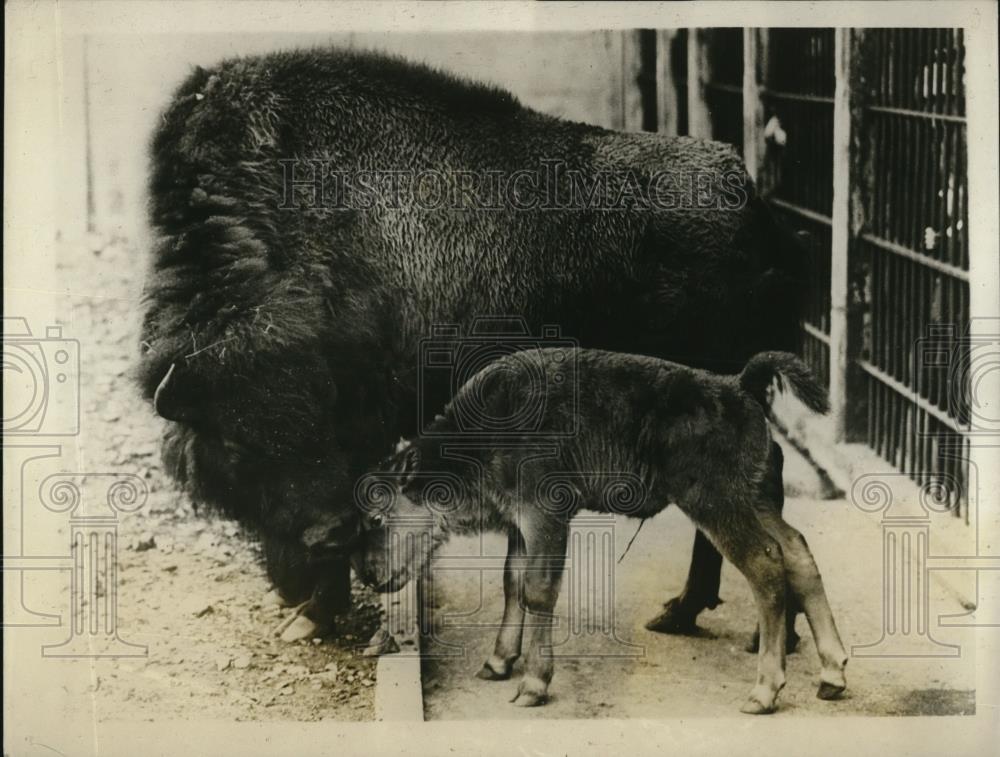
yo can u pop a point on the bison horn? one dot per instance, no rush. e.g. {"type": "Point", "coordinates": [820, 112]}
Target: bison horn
{"type": "Point", "coordinates": [161, 400]}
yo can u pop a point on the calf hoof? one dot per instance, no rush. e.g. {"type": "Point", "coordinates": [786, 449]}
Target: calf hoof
{"type": "Point", "coordinates": [487, 673]}
{"type": "Point", "coordinates": [531, 693]}
{"type": "Point", "coordinates": [675, 619]}
{"type": "Point", "coordinates": [754, 707]}
{"type": "Point", "coordinates": [830, 691]}
{"type": "Point", "coordinates": [529, 699]}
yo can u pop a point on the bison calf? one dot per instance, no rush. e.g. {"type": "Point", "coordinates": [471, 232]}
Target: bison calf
{"type": "Point", "coordinates": [690, 437]}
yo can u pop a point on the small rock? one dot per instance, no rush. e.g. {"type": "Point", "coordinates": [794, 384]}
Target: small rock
{"type": "Point", "coordinates": [222, 662]}
{"type": "Point", "coordinates": [326, 679]}
{"type": "Point", "coordinates": [170, 568]}
{"type": "Point", "coordinates": [145, 542]}
{"type": "Point", "coordinates": [317, 641]}
{"type": "Point", "coordinates": [274, 599]}
{"type": "Point", "coordinates": [144, 450]}
{"type": "Point", "coordinates": [242, 662]}
{"type": "Point", "coordinates": [196, 606]}
{"type": "Point", "coordinates": [381, 643]}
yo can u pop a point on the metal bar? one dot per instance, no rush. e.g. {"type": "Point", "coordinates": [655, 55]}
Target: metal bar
{"type": "Point", "coordinates": [796, 96]}
{"type": "Point", "coordinates": [840, 235]}
{"type": "Point", "coordinates": [908, 394]}
{"type": "Point", "coordinates": [735, 89]}
{"type": "Point", "coordinates": [699, 120]}
{"type": "Point", "coordinates": [816, 333]}
{"type": "Point", "coordinates": [909, 113]}
{"type": "Point", "coordinates": [897, 249]}
{"type": "Point", "coordinates": [666, 87]}
{"type": "Point", "coordinates": [810, 215]}
{"type": "Point", "coordinates": [943, 219]}
{"type": "Point", "coordinates": [952, 178]}
{"type": "Point", "coordinates": [753, 112]}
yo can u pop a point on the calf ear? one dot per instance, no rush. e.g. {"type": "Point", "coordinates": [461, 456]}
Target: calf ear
{"type": "Point", "coordinates": [409, 464]}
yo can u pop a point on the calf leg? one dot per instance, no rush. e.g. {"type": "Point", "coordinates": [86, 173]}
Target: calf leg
{"type": "Point", "coordinates": [805, 582]}
{"type": "Point", "coordinates": [546, 554]}
{"type": "Point", "coordinates": [773, 494]}
{"type": "Point", "coordinates": [745, 542]}
{"type": "Point", "coordinates": [508, 644]}
{"type": "Point", "coordinates": [701, 591]}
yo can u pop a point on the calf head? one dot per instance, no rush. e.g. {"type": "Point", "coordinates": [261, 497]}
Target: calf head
{"type": "Point", "coordinates": [404, 519]}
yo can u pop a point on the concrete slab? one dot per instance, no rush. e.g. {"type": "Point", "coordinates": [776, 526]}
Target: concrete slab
{"type": "Point", "coordinates": [398, 691]}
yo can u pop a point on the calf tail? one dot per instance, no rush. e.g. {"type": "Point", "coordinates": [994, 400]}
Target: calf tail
{"type": "Point", "coordinates": [764, 367]}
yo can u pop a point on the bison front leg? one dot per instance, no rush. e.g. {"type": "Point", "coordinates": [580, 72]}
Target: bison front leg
{"type": "Point", "coordinates": [546, 555]}
{"type": "Point", "coordinates": [508, 645]}
{"type": "Point", "coordinates": [330, 598]}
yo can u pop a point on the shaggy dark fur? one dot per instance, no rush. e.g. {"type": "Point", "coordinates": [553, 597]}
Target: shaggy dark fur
{"type": "Point", "coordinates": [293, 332]}
{"type": "Point", "coordinates": [634, 434]}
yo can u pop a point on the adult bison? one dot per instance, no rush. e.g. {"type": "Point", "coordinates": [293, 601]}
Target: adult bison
{"type": "Point", "coordinates": [301, 254]}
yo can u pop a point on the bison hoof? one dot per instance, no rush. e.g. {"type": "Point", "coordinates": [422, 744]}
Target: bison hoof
{"type": "Point", "coordinates": [675, 619]}
{"type": "Point", "coordinates": [300, 628]}
{"type": "Point", "coordinates": [298, 625]}
{"type": "Point", "coordinates": [487, 673]}
{"type": "Point", "coordinates": [830, 691]}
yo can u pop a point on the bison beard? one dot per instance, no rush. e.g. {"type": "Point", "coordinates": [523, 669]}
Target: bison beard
{"type": "Point", "coordinates": [288, 337]}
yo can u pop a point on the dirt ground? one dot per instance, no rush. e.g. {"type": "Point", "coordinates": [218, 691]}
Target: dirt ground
{"type": "Point", "coordinates": [190, 587]}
